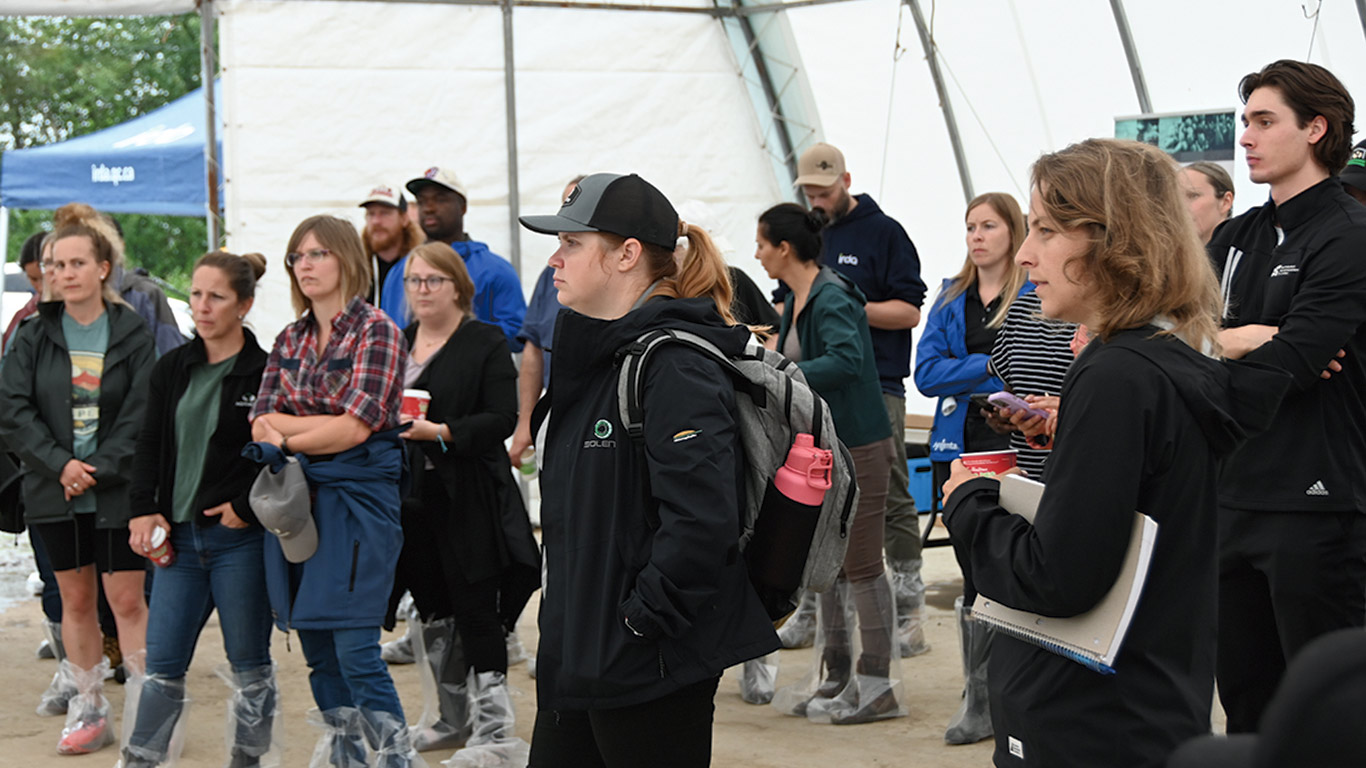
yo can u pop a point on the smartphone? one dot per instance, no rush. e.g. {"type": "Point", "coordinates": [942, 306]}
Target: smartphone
{"type": "Point", "coordinates": [980, 401]}
{"type": "Point", "coordinates": [1014, 404]}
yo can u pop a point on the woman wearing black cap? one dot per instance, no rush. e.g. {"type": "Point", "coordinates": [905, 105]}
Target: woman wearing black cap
{"type": "Point", "coordinates": [646, 600]}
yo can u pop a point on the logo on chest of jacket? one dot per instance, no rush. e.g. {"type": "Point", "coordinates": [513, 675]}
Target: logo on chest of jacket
{"type": "Point", "coordinates": [847, 258]}
{"type": "Point", "coordinates": [602, 430]}
{"type": "Point", "coordinates": [1016, 747]}
{"type": "Point", "coordinates": [1285, 270]}
{"type": "Point", "coordinates": [246, 401]}
{"type": "Point", "coordinates": [1316, 489]}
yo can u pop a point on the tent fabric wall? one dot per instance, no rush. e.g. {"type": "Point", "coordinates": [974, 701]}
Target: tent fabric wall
{"type": "Point", "coordinates": [95, 7]}
{"type": "Point", "coordinates": [316, 117]}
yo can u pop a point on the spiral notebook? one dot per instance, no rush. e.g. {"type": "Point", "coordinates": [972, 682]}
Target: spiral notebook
{"type": "Point", "coordinates": [1092, 639]}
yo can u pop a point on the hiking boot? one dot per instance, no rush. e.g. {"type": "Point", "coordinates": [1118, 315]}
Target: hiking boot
{"type": "Point", "coordinates": [836, 662]}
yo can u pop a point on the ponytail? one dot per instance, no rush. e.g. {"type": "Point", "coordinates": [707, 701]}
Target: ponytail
{"type": "Point", "coordinates": [703, 272]}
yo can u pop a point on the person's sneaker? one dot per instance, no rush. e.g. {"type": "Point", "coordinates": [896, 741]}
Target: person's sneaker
{"type": "Point", "coordinates": [85, 738]}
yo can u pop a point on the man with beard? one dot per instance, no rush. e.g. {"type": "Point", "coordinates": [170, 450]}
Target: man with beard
{"type": "Point", "coordinates": [872, 249]}
{"type": "Point", "coordinates": [441, 205]}
{"type": "Point", "coordinates": [388, 236]}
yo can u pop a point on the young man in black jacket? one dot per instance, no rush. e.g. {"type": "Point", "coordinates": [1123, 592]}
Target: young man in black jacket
{"type": "Point", "coordinates": [1292, 534]}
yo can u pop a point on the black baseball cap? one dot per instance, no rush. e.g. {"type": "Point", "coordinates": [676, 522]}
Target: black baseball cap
{"type": "Point", "coordinates": [1354, 173]}
{"type": "Point", "coordinates": [627, 206]}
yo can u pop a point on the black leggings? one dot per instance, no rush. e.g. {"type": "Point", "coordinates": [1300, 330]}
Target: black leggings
{"type": "Point", "coordinates": [670, 732]}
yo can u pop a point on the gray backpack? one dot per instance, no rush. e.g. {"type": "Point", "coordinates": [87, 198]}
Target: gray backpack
{"type": "Point", "coordinates": [774, 403]}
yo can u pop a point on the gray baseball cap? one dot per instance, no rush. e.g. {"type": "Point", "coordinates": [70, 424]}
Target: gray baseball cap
{"type": "Point", "coordinates": [282, 505]}
{"type": "Point", "coordinates": [628, 206]}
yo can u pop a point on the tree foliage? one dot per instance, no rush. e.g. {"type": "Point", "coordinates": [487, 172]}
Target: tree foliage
{"type": "Point", "coordinates": [65, 77]}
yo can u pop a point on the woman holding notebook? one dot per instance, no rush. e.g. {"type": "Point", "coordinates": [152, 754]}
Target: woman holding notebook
{"type": "Point", "coordinates": [1147, 411]}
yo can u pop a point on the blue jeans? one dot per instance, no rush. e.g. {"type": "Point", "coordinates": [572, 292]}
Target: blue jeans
{"type": "Point", "coordinates": [215, 567]}
{"type": "Point", "coordinates": [347, 671]}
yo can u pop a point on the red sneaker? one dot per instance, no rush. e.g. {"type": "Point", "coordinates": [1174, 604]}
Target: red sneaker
{"type": "Point", "coordinates": [85, 738]}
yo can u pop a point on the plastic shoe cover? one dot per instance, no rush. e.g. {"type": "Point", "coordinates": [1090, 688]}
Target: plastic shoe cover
{"type": "Point", "coordinates": [445, 721]}
{"type": "Point", "coordinates": [44, 650]}
{"type": "Point", "coordinates": [758, 679]}
{"type": "Point", "coordinates": [908, 588]}
{"type": "Point", "coordinates": [153, 721]}
{"type": "Point", "coordinates": [972, 722]}
{"type": "Point", "coordinates": [389, 741]}
{"type": "Point", "coordinates": [799, 631]}
{"type": "Point", "coordinates": [832, 661]}
{"type": "Point", "coordinates": [342, 744]}
{"type": "Point", "coordinates": [871, 695]}
{"type": "Point", "coordinates": [87, 714]}
{"type": "Point", "coordinates": [531, 667]}
{"type": "Point", "coordinates": [53, 701]}
{"type": "Point", "coordinates": [254, 721]}
{"type": "Point", "coordinates": [516, 651]}
{"type": "Point", "coordinates": [400, 651]}
{"type": "Point", "coordinates": [135, 666]}
{"type": "Point", "coordinates": [493, 743]}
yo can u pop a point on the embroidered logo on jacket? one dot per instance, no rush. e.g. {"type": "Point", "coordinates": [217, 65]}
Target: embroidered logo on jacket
{"type": "Point", "coordinates": [602, 430]}
{"type": "Point", "coordinates": [686, 434]}
{"type": "Point", "coordinates": [1316, 489]}
{"type": "Point", "coordinates": [246, 401]}
{"type": "Point", "coordinates": [847, 258]}
{"type": "Point", "coordinates": [1283, 270]}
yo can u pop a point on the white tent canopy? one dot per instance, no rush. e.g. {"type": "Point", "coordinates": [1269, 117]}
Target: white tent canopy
{"type": "Point", "coordinates": [327, 97]}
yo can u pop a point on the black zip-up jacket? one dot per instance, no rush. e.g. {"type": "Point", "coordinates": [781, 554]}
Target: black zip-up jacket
{"type": "Point", "coordinates": [1309, 279]}
{"type": "Point", "coordinates": [227, 474]}
{"type": "Point", "coordinates": [645, 533]}
{"type": "Point", "coordinates": [35, 412]}
{"type": "Point", "coordinates": [1143, 422]}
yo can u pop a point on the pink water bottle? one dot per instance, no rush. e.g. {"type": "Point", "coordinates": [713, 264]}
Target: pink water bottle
{"type": "Point", "coordinates": [805, 476]}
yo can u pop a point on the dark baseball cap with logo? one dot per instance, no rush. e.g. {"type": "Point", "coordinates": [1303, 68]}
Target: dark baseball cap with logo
{"type": "Point", "coordinates": [627, 206]}
{"type": "Point", "coordinates": [1354, 173]}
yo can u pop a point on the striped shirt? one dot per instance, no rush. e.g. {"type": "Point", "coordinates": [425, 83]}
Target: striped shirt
{"type": "Point", "coordinates": [1032, 355]}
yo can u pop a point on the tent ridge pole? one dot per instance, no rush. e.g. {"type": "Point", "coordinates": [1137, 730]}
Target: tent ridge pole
{"type": "Point", "coordinates": [510, 100]}
{"type": "Point", "coordinates": [208, 68]}
{"type": "Point", "coordinates": [1126, 37]}
{"type": "Point", "coordinates": [950, 122]}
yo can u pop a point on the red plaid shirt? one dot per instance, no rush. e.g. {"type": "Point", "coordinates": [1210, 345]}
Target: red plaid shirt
{"type": "Point", "coordinates": [360, 372]}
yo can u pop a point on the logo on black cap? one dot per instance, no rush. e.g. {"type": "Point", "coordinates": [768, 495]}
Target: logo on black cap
{"type": "Point", "coordinates": [572, 196]}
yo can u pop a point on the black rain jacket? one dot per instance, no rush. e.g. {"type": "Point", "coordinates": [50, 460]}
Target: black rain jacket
{"type": "Point", "coordinates": [646, 533]}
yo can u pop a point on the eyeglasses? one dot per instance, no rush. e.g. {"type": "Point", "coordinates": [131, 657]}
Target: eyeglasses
{"type": "Point", "coordinates": [432, 283]}
{"type": "Point", "coordinates": [314, 256]}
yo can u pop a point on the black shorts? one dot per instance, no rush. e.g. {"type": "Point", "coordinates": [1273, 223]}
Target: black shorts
{"type": "Point", "coordinates": [74, 543]}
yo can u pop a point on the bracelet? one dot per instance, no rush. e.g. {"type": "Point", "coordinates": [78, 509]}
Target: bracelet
{"type": "Point", "coordinates": [284, 444]}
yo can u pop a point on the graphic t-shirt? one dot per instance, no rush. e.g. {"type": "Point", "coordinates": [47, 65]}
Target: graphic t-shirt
{"type": "Point", "coordinates": [86, 345]}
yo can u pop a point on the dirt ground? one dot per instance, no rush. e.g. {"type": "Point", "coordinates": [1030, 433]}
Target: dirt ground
{"type": "Point", "coordinates": [745, 735]}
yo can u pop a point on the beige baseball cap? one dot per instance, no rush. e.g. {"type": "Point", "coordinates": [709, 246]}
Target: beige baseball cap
{"type": "Point", "coordinates": [821, 166]}
{"type": "Point", "coordinates": [442, 177]}
{"type": "Point", "coordinates": [385, 195]}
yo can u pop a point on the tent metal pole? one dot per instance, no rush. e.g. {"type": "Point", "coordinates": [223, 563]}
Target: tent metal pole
{"type": "Point", "coordinates": [1361, 14]}
{"type": "Point", "coordinates": [4, 246]}
{"type": "Point", "coordinates": [950, 122]}
{"type": "Point", "coordinates": [1131, 53]}
{"type": "Point", "coordinates": [775, 106]}
{"type": "Point", "coordinates": [208, 67]}
{"type": "Point", "coordinates": [510, 103]}
{"type": "Point", "coordinates": [722, 11]}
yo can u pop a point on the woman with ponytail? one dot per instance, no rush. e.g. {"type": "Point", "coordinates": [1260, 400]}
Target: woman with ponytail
{"type": "Point", "coordinates": [646, 600]}
{"type": "Point", "coordinates": [190, 481]}
{"type": "Point", "coordinates": [825, 331]}
{"type": "Point", "coordinates": [74, 388]}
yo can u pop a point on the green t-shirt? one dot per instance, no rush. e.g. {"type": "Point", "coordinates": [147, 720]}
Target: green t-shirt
{"type": "Point", "coordinates": [87, 345]}
{"type": "Point", "coordinates": [196, 419]}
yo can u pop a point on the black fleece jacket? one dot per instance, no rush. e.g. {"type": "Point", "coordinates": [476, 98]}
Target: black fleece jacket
{"type": "Point", "coordinates": [227, 474]}
{"type": "Point", "coordinates": [1143, 422]}
{"type": "Point", "coordinates": [1308, 278]}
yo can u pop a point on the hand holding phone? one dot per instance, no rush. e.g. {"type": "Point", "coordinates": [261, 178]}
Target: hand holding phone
{"type": "Point", "coordinates": [1016, 405]}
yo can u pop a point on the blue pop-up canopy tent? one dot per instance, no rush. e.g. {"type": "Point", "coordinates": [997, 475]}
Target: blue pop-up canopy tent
{"type": "Point", "coordinates": [151, 164]}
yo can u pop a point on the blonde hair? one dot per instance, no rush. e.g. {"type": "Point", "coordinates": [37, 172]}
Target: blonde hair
{"type": "Point", "coordinates": [1145, 261]}
{"type": "Point", "coordinates": [338, 236]}
{"type": "Point", "coordinates": [702, 273]}
{"type": "Point", "coordinates": [445, 260]}
{"type": "Point", "coordinates": [1004, 206]}
{"type": "Point", "coordinates": [81, 220]}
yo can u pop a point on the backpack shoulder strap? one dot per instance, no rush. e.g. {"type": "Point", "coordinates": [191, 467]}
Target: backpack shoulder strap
{"type": "Point", "coordinates": [631, 378]}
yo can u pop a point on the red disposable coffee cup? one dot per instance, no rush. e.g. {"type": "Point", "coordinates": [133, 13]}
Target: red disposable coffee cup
{"type": "Point", "coordinates": [989, 463]}
{"type": "Point", "coordinates": [414, 404]}
{"type": "Point", "coordinates": [161, 554]}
